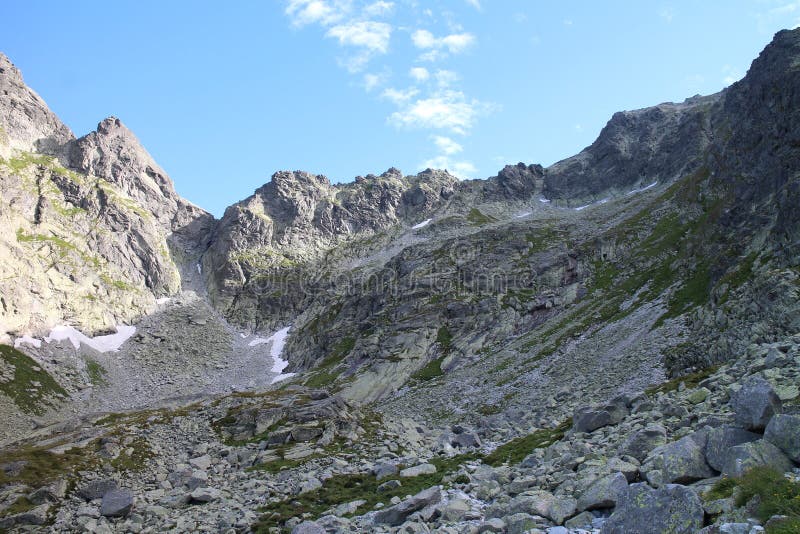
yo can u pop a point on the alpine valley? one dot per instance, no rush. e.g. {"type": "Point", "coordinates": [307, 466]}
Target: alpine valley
{"type": "Point", "coordinates": [609, 344]}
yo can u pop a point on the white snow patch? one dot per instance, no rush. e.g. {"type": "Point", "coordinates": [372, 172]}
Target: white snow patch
{"type": "Point", "coordinates": [645, 188]}
{"type": "Point", "coordinates": [278, 340]}
{"type": "Point", "coordinates": [109, 343]}
{"type": "Point", "coordinates": [199, 269]}
{"type": "Point", "coordinates": [604, 200]}
{"type": "Point", "coordinates": [521, 215]}
{"type": "Point", "coordinates": [544, 200]}
{"type": "Point", "coordinates": [579, 208]}
{"type": "Point", "coordinates": [27, 340]}
{"type": "Point", "coordinates": [422, 224]}
{"type": "Point", "coordinates": [163, 300]}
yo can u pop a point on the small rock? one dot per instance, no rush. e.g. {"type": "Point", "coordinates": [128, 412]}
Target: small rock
{"type": "Point", "coordinates": [396, 515]}
{"type": "Point", "coordinates": [203, 495]}
{"type": "Point", "coordinates": [116, 503]}
{"type": "Point", "coordinates": [421, 469]}
{"type": "Point", "coordinates": [201, 462]}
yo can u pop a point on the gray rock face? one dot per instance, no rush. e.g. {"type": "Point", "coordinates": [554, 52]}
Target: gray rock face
{"type": "Point", "coordinates": [783, 431]}
{"type": "Point", "coordinates": [117, 503]}
{"type": "Point", "coordinates": [397, 514]}
{"type": "Point", "coordinates": [720, 441]}
{"type": "Point", "coordinates": [97, 488]}
{"type": "Point", "coordinates": [640, 443]}
{"type": "Point", "coordinates": [644, 510]}
{"type": "Point", "coordinates": [309, 527]}
{"type": "Point", "coordinates": [754, 454]}
{"type": "Point", "coordinates": [679, 462]}
{"type": "Point", "coordinates": [755, 403]}
{"type": "Point", "coordinates": [26, 123]}
{"type": "Point", "coordinates": [603, 493]}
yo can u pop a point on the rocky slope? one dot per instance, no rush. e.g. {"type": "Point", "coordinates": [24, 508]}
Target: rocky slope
{"type": "Point", "coordinates": [479, 356]}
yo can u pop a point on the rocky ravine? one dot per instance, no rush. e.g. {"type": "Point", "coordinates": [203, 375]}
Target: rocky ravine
{"type": "Point", "coordinates": [479, 356]}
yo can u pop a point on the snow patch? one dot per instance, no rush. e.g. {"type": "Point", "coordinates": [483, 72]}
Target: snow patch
{"type": "Point", "coordinates": [27, 340]}
{"type": "Point", "coordinates": [521, 215]}
{"type": "Point", "coordinates": [422, 224]}
{"type": "Point", "coordinates": [163, 300]}
{"type": "Point", "coordinates": [199, 269]}
{"type": "Point", "coordinates": [580, 208]}
{"type": "Point", "coordinates": [645, 188]}
{"type": "Point", "coordinates": [278, 341]}
{"type": "Point", "coordinates": [109, 343]}
{"type": "Point", "coordinates": [544, 200]}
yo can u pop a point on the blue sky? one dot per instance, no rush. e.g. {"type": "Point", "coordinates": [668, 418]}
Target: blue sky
{"type": "Point", "coordinates": [223, 95]}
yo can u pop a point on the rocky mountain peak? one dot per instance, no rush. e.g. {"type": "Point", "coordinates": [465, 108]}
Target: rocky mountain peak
{"type": "Point", "coordinates": [27, 122]}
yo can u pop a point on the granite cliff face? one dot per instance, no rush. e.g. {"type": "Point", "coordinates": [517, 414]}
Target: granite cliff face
{"type": "Point", "coordinates": [88, 223]}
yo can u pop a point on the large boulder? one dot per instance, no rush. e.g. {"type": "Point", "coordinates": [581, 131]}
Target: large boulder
{"type": "Point", "coordinates": [603, 492]}
{"type": "Point", "coordinates": [783, 431]}
{"type": "Point", "coordinates": [117, 503]}
{"type": "Point", "coordinates": [755, 403]}
{"type": "Point", "coordinates": [720, 440]}
{"type": "Point", "coordinates": [678, 462]}
{"type": "Point", "coordinates": [589, 419]}
{"type": "Point", "coordinates": [396, 515]}
{"type": "Point", "coordinates": [640, 443]}
{"type": "Point", "coordinates": [641, 509]}
{"type": "Point", "coordinates": [759, 453]}
{"type": "Point", "coordinates": [557, 509]}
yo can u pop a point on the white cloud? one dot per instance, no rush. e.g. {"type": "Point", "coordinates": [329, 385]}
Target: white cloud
{"type": "Point", "coordinates": [460, 169]}
{"type": "Point", "coordinates": [437, 47]}
{"type": "Point", "coordinates": [373, 79]}
{"type": "Point", "coordinates": [325, 12]}
{"type": "Point", "coordinates": [399, 96]}
{"type": "Point", "coordinates": [446, 78]}
{"type": "Point", "coordinates": [446, 109]}
{"type": "Point", "coordinates": [667, 13]}
{"type": "Point", "coordinates": [447, 145]}
{"type": "Point", "coordinates": [378, 9]}
{"type": "Point", "coordinates": [420, 74]}
{"type": "Point", "coordinates": [474, 3]}
{"type": "Point", "coordinates": [373, 36]}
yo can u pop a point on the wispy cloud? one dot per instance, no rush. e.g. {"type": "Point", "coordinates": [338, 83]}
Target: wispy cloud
{"type": "Point", "coordinates": [438, 47]}
{"type": "Point", "coordinates": [325, 12]}
{"type": "Point", "coordinates": [378, 9]}
{"type": "Point", "coordinates": [446, 145]}
{"type": "Point", "coordinates": [731, 75]}
{"type": "Point", "coordinates": [420, 74]}
{"type": "Point", "coordinates": [400, 97]}
{"type": "Point", "coordinates": [474, 3]}
{"type": "Point", "coordinates": [445, 109]}
{"type": "Point", "coordinates": [667, 14]}
{"type": "Point", "coordinates": [460, 169]}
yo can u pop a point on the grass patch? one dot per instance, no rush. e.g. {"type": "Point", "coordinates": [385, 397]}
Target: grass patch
{"type": "Point", "coordinates": [776, 494]}
{"type": "Point", "coordinates": [32, 388]}
{"type": "Point", "coordinates": [96, 372]}
{"type": "Point", "coordinates": [39, 466]}
{"type": "Point", "coordinates": [517, 449]}
{"type": "Point", "coordinates": [431, 370]}
{"type": "Point", "coordinates": [444, 338]}
{"type": "Point", "coordinates": [135, 457]}
{"type": "Point", "coordinates": [477, 218]}
{"type": "Point", "coordinates": [348, 488]}
{"type": "Point", "coordinates": [325, 373]}
{"type": "Point", "coordinates": [691, 380]}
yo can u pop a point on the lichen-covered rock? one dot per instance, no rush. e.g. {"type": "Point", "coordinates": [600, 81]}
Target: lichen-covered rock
{"type": "Point", "coordinates": [644, 510]}
{"type": "Point", "coordinates": [398, 513]}
{"type": "Point", "coordinates": [720, 440]}
{"type": "Point", "coordinates": [640, 443]}
{"type": "Point", "coordinates": [755, 403]}
{"type": "Point", "coordinates": [603, 493]}
{"type": "Point", "coordinates": [783, 431]}
{"type": "Point", "coordinates": [679, 462]}
{"type": "Point", "coordinates": [754, 454]}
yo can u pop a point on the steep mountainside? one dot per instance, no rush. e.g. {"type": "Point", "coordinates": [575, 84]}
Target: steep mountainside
{"type": "Point", "coordinates": [609, 344]}
{"type": "Point", "coordinates": [87, 223]}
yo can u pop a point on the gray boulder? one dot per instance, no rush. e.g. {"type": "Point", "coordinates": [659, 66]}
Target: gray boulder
{"type": "Point", "coordinates": [640, 443]}
{"type": "Point", "coordinates": [641, 509]}
{"type": "Point", "coordinates": [97, 489]}
{"type": "Point", "coordinates": [679, 462]}
{"type": "Point", "coordinates": [720, 441]}
{"type": "Point", "coordinates": [754, 404]}
{"type": "Point", "coordinates": [783, 431]}
{"type": "Point", "coordinates": [754, 454]}
{"type": "Point", "coordinates": [308, 527]}
{"type": "Point", "coordinates": [589, 419]}
{"type": "Point", "coordinates": [117, 503]}
{"type": "Point", "coordinates": [555, 508]}
{"type": "Point", "coordinates": [396, 515]}
{"type": "Point", "coordinates": [603, 493]}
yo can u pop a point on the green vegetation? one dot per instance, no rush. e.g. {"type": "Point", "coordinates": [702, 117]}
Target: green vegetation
{"type": "Point", "coordinates": [517, 449]}
{"type": "Point", "coordinates": [691, 380]}
{"type": "Point", "coordinates": [325, 374]}
{"type": "Point", "coordinates": [348, 488]}
{"type": "Point", "coordinates": [476, 218]}
{"type": "Point", "coordinates": [776, 495]}
{"type": "Point", "coordinates": [96, 372]}
{"type": "Point", "coordinates": [38, 466]}
{"type": "Point", "coordinates": [545, 238]}
{"type": "Point", "coordinates": [134, 457]}
{"type": "Point", "coordinates": [444, 338]}
{"type": "Point", "coordinates": [21, 505]}
{"type": "Point", "coordinates": [32, 388]}
{"type": "Point", "coordinates": [431, 370]}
